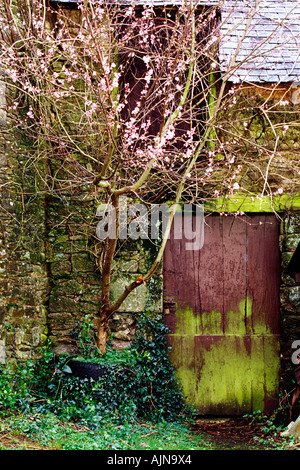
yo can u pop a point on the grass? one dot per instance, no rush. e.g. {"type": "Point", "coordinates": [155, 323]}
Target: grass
{"type": "Point", "coordinates": [47, 432]}
{"type": "Point", "coordinates": [35, 432]}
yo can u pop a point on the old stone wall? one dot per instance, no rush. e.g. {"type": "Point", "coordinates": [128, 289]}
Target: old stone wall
{"type": "Point", "coordinates": [74, 283]}
{"type": "Point", "coordinates": [289, 297]}
{"type": "Point", "coordinates": [75, 278]}
{"type": "Point", "coordinates": [50, 278]}
{"type": "Point", "coordinates": [49, 261]}
{"type": "Point", "coordinates": [258, 128]}
{"type": "Point", "coordinates": [23, 270]}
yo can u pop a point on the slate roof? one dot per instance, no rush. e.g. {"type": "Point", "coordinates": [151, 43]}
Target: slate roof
{"type": "Point", "coordinates": [260, 39]}
{"type": "Point", "coordinates": [265, 37]}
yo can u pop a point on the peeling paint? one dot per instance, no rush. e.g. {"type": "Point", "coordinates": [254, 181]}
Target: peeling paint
{"type": "Point", "coordinates": [224, 362]}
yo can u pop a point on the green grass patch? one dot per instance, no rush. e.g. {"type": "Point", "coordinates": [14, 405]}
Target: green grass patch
{"type": "Point", "coordinates": [47, 431]}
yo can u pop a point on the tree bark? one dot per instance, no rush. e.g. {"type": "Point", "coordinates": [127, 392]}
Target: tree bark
{"type": "Point", "coordinates": [102, 332]}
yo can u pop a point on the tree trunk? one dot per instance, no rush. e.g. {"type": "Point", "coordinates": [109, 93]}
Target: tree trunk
{"type": "Point", "coordinates": [102, 333]}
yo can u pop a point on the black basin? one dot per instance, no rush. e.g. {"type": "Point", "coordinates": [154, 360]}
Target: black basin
{"type": "Point", "coordinates": [85, 370]}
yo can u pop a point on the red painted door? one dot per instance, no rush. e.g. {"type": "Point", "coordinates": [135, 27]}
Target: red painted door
{"type": "Point", "coordinates": [222, 306]}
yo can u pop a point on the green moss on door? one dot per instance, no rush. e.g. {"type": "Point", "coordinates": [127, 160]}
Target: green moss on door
{"type": "Point", "coordinates": [226, 364]}
{"type": "Point", "coordinates": [237, 321]}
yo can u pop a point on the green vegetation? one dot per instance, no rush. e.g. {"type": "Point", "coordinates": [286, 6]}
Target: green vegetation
{"type": "Point", "coordinates": [138, 397]}
{"type": "Point", "coordinates": [50, 432]}
{"type": "Point", "coordinates": [137, 405]}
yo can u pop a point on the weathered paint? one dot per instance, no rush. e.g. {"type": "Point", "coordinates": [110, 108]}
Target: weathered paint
{"type": "Point", "coordinates": [221, 371]}
{"type": "Point", "coordinates": [217, 380]}
{"type": "Point", "coordinates": [222, 307]}
{"type": "Point", "coordinates": [235, 322]}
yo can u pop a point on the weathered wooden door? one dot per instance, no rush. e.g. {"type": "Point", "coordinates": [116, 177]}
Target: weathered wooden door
{"type": "Point", "coordinates": [222, 306]}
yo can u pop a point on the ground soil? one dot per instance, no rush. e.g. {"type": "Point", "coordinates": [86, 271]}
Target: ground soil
{"type": "Point", "coordinates": [16, 441]}
{"type": "Point", "coordinates": [237, 434]}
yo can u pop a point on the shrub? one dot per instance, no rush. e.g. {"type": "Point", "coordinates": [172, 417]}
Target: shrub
{"type": "Point", "coordinates": [17, 382]}
{"type": "Point", "coordinates": [139, 383]}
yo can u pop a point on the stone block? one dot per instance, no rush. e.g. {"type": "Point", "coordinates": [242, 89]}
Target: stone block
{"type": "Point", "coordinates": [2, 352]}
{"type": "Point", "coordinates": [124, 335]}
{"type": "Point", "coordinates": [93, 297]}
{"type": "Point", "coordinates": [82, 262]}
{"type": "Point", "coordinates": [290, 298]}
{"type": "Point", "coordinates": [89, 308]}
{"type": "Point", "coordinates": [63, 349]}
{"type": "Point", "coordinates": [61, 268]}
{"type": "Point", "coordinates": [126, 265]}
{"type": "Point", "coordinates": [294, 297]}
{"type": "Point", "coordinates": [293, 429]}
{"type": "Point", "coordinates": [292, 223]}
{"type": "Point", "coordinates": [119, 344]}
{"type": "Point", "coordinates": [22, 338]}
{"type": "Point", "coordinates": [137, 300]}
{"type": "Point", "coordinates": [67, 246]}
{"type": "Point", "coordinates": [35, 337]}
{"type": "Point", "coordinates": [67, 287]}
{"type": "Point", "coordinates": [63, 305]}
{"type": "Point", "coordinates": [290, 242]}
{"type": "Point", "coordinates": [123, 326]}
{"type": "Point", "coordinates": [3, 117]}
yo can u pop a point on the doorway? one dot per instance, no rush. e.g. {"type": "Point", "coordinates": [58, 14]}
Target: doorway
{"type": "Point", "coordinates": [221, 305]}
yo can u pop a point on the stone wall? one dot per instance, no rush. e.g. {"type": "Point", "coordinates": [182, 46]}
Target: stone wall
{"type": "Point", "coordinates": [50, 279]}
{"type": "Point", "coordinates": [75, 279]}
{"type": "Point", "coordinates": [48, 264]}
{"type": "Point", "coordinates": [290, 296]}
{"type": "Point", "coordinates": [23, 270]}
{"type": "Point", "coordinates": [49, 274]}
{"type": "Point", "coordinates": [74, 282]}
{"type": "Point", "coordinates": [259, 128]}
{"type": "Point", "coordinates": [128, 266]}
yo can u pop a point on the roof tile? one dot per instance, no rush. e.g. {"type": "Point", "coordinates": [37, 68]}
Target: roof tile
{"type": "Point", "coordinates": [272, 35]}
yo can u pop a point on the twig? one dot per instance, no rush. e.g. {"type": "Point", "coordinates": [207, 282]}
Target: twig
{"type": "Point", "coordinates": [150, 433]}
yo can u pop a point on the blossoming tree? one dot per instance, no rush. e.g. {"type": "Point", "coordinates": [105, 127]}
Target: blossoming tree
{"type": "Point", "coordinates": [128, 101]}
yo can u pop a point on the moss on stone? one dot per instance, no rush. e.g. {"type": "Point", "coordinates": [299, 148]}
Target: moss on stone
{"type": "Point", "coordinates": [240, 202]}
